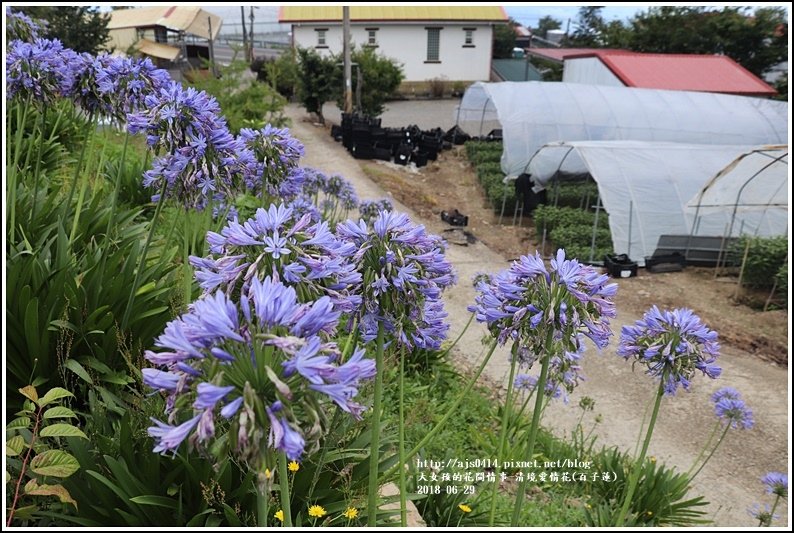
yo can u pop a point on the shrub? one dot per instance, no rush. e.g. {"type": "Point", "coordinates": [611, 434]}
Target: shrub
{"type": "Point", "coordinates": [380, 78]}
{"type": "Point", "coordinates": [550, 217]}
{"type": "Point", "coordinates": [317, 80]}
{"type": "Point", "coordinates": [280, 73]}
{"type": "Point", "coordinates": [765, 257]}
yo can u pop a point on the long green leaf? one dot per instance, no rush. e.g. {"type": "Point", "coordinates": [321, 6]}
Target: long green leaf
{"type": "Point", "coordinates": [157, 501]}
{"type": "Point", "coordinates": [18, 423]}
{"type": "Point", "coordinates": [78, 369]}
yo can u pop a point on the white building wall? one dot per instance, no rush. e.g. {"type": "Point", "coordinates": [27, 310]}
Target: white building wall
{"type": "Point", "coordinates": [589, 70]}
{"type": "Point", "coordinates": [407, 44]}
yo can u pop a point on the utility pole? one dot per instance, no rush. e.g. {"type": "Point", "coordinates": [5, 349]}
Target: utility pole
{"type": "Point", "coordinates": [251, 34]}
{"type": "Point", "coordinates": [245, 36]}
{"type": "Point", "coordinates": [213, 67]}
{"type": "Point", "coordinates": [347, 66]}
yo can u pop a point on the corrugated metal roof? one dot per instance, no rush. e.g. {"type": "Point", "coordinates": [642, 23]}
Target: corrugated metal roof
{"type": "Point", "coordinates": [682, 72]}
{"type": "Point", "coordinates": [516, 70]}
{"type": "Point", "coordinates": [151, 48]}
{"type": "Point", "coordinates": [394, 13]}
{"type": "Point", "coordinates": [559, 54]}
{"type": "Point", "coordinates": [192, 20]}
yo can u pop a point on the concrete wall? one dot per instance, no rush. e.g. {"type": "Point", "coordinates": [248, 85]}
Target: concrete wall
{"type": "Point", "coordinates": [407, 44]}
{"type": "Point", "coordinates": [589, 70]}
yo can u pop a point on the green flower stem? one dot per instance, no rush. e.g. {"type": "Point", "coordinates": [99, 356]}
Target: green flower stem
{"type": "Point", "coordinates": [772, 512]}
{"type": "Point", "coordinates": [68, 202]}
{"type": "Point", "coordinates": [374, 450]}
{"type": "Point", "coordinates": [432, 433]}
{"type": "Point", "coordinates": [540, 388]}
{"type": "Point", "coordinates": [642, 424]}
{"type": "Point", "coordinates": [187, 281]}
{"type": "Point", "coordinates": [117, 184]}
{"type": "Point", "coordinates": [403, 500]}
{"type": "Point", "coordinates": [83, 184]}
{"type": "Point", "coordinates": [321, 462]}
{"type": "Point", "coordinates": [142, 258]}
{"type": "Point", "coordinates": [283, 476]}
{"type": "Point", "coordinates": [22, 116]}
{"type": "Point", "coordinates": [37, 171]}
{"type": "Point", "coordinates": [261, 505]}
{"type": "Point", "coordinates": [635, 473]}
{"type": "Point", "coordinates": [503, 435]}
{"type": "Point", "coordinates": [705, 447]}
{"type": "Point", "coordinates": [725, 432]}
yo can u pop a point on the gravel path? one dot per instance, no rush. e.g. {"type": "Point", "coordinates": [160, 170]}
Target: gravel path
{"type": "Point", "coordinates": [731, 481]}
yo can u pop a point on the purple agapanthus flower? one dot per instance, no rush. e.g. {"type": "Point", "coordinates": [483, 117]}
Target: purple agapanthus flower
{"type": "Point", "coordinates": [369, 209]}
{"type": "Point", "coordinates": [776, 483]}
{"type": "Point", "coordinates": [553, 389]}
{"type": "Point", "coordinates": [726, 392]}
{"type": "Point", "coordinates": [531, 306]}
{"type": "Point", "coordinates": [229, 355]}
{"type": "Point", "coordinates": [405, 273]}
{"type": "Point", "coordinates": [42, 70]}
{"type": "Point", "coordinates": [734, 412]}
{"type": "Point", "coordinates": [200, 157]}
{"type": "Point", "coordinates": [21, 27]}
{"type": "Point", "coordinates": [764, 514]}
{"type": "Point", "coordinates": [278, 241]}
{"type": "Point", "coordinates": [673, 345]}
{"type": "Point", "coordinates": [274, 170]}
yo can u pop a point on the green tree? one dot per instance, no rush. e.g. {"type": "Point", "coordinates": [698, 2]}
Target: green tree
{"type": "Point", "coordinates": [590, 27]}
{"type": "Point", "coordinates": [81, 28]}
{"type": "Point", "coordinates": [756, 40]}
{"type": "Point", "coordinates": [504, 40]}
{"type": "Point", "coordinates": [380, 77]}
{"type": "Point", "coordinates": [245, 102]}
{"type": "Point", "coordinates": [281, 73]}
{"type": "Point", "coordinates": [318, 80]}
{"type": "Point", "coordinates": [545, 24]}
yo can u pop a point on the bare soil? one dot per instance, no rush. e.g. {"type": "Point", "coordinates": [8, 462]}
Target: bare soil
{"type": "Point", "coordinates": [755, 344]}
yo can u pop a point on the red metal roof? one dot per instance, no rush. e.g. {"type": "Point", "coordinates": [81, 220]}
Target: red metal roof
{"type": "Point", "coordinates": [560, 54]}
{"type": "Point", "coordinates": [682, 72]}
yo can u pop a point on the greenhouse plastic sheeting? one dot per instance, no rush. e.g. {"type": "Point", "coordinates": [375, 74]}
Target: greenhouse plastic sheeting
{"type": "Point", "coordinates": [750, 195]}
{"type": "Point", "coordinates": [533, 114]}
{"type": "Point", "coordinates": [644, 186]}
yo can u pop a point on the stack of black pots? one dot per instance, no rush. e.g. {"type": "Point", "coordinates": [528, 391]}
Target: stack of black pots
{"type": "Point", "coordinates": [364, 138]}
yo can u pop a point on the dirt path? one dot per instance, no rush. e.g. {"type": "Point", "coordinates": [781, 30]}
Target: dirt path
{"type": "Point", "coordinates": [731, 481]}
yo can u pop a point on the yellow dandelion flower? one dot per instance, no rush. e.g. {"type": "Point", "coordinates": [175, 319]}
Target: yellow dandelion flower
{"type": "Point", "coordinates": [280, 515]}
{"type": "Point", "coordinates": [293, 466]}
{"type": "Point", "coordinates": [317, 511]}
{"type": "Point", "coordinates": [588, 506]}
{"type": "Point", "coordinates": [649, 513]}
{"type": "Point", "coordinates": [653, 459]}
{"type": "Point", "coordinates": [268, 473]}
{"type": "Point", "coordinates": [465, 508]}
{"type": "Point", "coordinates": [350, 513]}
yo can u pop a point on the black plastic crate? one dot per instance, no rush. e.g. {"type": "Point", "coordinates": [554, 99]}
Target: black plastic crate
{"type": "Point", "coordinates": [674, 262]}
{"type": "Point", "coordinates": [620, 266]}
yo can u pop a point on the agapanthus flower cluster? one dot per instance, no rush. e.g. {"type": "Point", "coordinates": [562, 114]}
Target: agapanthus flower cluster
{"type": "Point", "coordinates": [553, 389]}
{"type": "Point", "coordinates": [264, 364]}
{"type": "Point", "coordinates": [42, 70]}
{"type": "Point", "coordinates": [369, 209]}
{"type": "Point", "coordinates": [303, 205]}
{"type": "Point", "coordinates": [89, 96]}
{"type": "Point", "coordinates": [545, 312]}
{"type": "Point", "coordinates": [404, 271]}
{"type": "Point", "coordinates": [764, 514]}
{"type": "Point", "coordinates": [21, 27]}
{"type": "Point", "coordinates": [776, 483]}
{"type": "Point", "coordinates": [340, 192]}
{"type": "Point", "coordinates": [130, 80]}
{"type": "Point", "coordinates": [277, 154]}
{"type": "Point", "coordinates": [731, 409]}
{"type": "Point", "coordinates": [673, 345]}
{"type": "Point", "coordinates": [276, 242]}
{"type": "Point", "coordinates": [201, 157]}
